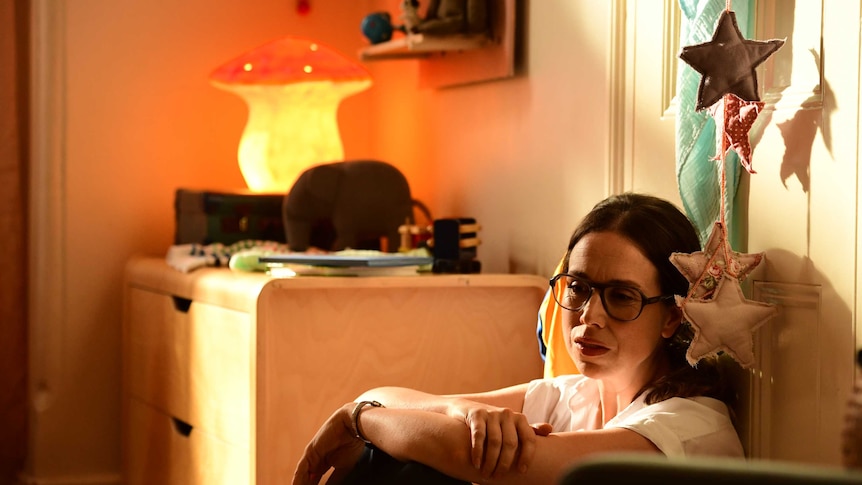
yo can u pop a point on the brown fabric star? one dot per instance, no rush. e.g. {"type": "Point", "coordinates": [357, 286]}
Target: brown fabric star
{"type": "Point", "coordinates": [728, 62]}
{"type": "Point", "coordinates": [737, 116]}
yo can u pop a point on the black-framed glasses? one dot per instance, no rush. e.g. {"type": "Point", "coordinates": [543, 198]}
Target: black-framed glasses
{"type": "Point", "coordinates": [620, 302]}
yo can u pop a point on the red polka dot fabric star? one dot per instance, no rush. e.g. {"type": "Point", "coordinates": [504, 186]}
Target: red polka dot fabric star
{"type": "Point", "coordinates": [736, 116]}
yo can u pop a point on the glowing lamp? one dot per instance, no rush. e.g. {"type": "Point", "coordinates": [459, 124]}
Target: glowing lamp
{"type": "Point", "coordinates": [293, 87]}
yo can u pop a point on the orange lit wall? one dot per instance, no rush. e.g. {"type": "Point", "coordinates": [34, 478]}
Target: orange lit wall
{"type": "Point", "coordinates": [137, 118]}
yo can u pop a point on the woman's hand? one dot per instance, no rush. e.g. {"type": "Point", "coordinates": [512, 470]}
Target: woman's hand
{"type": "Point", "coordinates": [334, 445]}
{"type": "Point", "coordinates": [501, 439]}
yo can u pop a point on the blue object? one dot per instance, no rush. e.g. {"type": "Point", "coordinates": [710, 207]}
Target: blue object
{"type": "Point", "coordinates": [540, 327]}
{"type": "Point", "coordinates": [377, 27]}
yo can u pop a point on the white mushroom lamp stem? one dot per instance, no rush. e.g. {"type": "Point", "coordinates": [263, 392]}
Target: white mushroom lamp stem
{"type": "Point", "coordinates": [293, 88]}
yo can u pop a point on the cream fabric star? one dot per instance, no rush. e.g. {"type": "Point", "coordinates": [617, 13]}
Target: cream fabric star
{"type": "Point", "coordinates": [704, 269]}
{"type": "Point", "coordinates": [725, 322]}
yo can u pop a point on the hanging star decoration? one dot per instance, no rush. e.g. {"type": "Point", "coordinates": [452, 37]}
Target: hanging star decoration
{"type": "Point", "coordinates": [736, 116]}
{"type": "Point", "coordinates": [727, 63]}
{"type": "Point", "coordinates": [704, 269]}
{"type": "Point", "coordinates": [722, 319]}
{"type": "Point", "coordinates": [730, 321]}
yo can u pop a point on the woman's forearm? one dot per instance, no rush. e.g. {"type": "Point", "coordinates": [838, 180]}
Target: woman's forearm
{"type": "Point", "coordinates": [430, 438]}
{"type": "Point", "coordinates": [452, 405]}
{"type": "Point", "coordinates": [443, 443]}
{"type": "Point", "coordinates": [476, 434]}
{"type": "Point", "coordinates": [404, 398]}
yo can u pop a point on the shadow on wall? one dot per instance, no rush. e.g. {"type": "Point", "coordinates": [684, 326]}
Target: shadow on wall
{"type": "Point", "coordinates": [799, 131]}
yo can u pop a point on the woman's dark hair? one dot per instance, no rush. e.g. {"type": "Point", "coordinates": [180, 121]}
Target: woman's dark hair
{"type": "Point", "coordinates": [659, 229]}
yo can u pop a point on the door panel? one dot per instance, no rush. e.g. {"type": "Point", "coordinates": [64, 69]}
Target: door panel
{"type": "Point", "coordinates": [799, 208]}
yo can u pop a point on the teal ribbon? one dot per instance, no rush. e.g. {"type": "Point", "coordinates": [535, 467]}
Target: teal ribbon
{"type": "Point", "coordinates": [698, 174]}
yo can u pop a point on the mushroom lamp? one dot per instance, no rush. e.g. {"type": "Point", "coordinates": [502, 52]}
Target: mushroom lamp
{"type": "Point", "coordinates": [293, 87]}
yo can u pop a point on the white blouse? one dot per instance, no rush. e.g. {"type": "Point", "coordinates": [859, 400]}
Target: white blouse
{"type": "Point", "coordinates": [677, 426]}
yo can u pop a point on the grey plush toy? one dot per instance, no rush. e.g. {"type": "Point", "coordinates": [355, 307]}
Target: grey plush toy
{"type": "Point", "coordinates": [446, 17]}
{"type": "Point", "coordinates": [350, 204]}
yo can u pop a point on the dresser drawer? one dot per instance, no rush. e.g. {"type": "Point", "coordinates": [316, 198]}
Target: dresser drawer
{"type": "Point", "coordinates": [191, 360]}
{"type": "Point", "coordinates": [165, 451]}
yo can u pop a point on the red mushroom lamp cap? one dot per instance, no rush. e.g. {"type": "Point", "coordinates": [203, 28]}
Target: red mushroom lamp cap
{"type": "Point", "coordinates": [289, 60]}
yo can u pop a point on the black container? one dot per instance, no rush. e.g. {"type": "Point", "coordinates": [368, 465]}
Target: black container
{"type": "Point", "coordinates": [207, 217]}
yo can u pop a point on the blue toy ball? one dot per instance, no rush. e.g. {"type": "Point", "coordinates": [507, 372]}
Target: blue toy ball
{"type": "Point", "coordinates": [377, 27]}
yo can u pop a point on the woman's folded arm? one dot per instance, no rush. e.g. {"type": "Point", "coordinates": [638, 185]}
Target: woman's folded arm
{"type": "Point", "coordinates": [443, 443]}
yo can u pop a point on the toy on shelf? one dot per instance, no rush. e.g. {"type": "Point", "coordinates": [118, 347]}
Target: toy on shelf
{"type": "Point", "coordinates": [442, 18]}
{"type": "Point", "coordinates": [348, 204]}
{"type": "Point", "coordinates": [413, 236]}
{"type": "Point", "coordinates": [410, 17]}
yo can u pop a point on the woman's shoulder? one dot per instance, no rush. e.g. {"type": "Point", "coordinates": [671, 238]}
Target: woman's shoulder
{"type": "Point", "coordinates": [679, 407]}
{"type": "Point", "coordinates": [684, 426]}
{"type": "Point", "coordinates": [697, 404]}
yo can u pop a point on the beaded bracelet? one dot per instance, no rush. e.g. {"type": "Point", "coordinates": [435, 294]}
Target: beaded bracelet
{"type": "Point", "coordinates": [355, 417]}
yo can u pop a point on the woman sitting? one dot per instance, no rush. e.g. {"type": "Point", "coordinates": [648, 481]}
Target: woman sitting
{"type": "Point", "coordinates": [635, 391]}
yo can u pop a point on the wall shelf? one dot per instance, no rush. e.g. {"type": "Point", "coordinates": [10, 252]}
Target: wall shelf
{"type": "Point", "coordinates": [417, 46]}
{"type": "Point", "coordinates": [451, 60]}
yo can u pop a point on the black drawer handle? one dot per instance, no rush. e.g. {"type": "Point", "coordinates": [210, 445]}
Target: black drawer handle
{"type": "Point", "coordinates": [182, 427]}
{"type": "Point", "coordinates": [181, 304]}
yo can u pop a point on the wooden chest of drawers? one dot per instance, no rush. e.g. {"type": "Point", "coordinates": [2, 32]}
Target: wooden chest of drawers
{"type": "Point", "coordinates": [227, 375]}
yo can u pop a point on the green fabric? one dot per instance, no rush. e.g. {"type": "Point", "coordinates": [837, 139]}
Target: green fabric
{"type": "Point", "coordinates": [698, 175]}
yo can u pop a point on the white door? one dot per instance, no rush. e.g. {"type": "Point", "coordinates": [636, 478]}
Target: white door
{"type": "Point", "coordinates": [800, 208]}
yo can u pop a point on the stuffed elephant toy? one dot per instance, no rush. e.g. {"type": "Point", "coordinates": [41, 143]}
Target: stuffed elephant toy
{"type": "Point", "coordinates": [350, 204]}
